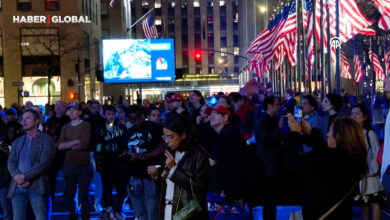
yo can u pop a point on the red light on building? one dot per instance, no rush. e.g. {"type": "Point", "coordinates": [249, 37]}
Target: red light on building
{"type": "Point", "coordinates": [72, 96]}
{"type": "Point", "coordinates": [209, 35]}
{"type": "Point", "coordinates": [208, 19]}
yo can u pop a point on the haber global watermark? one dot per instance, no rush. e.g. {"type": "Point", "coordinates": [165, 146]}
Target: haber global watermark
{"type": "Point", "coordinates": [42, 19]}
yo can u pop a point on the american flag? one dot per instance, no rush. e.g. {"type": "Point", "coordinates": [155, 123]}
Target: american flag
{"type": "Point", "coordinates": [149, 28]}
{"type": "Point", "coordinates": [351, 20]}
{"type": "Point", "coordinates": [377, 64]}
{"type": "Point", "coordinates": [384, 8]}
{"type": "Point", "coordinates": [307, 10]}
{"type": "Point", "coordinates": [357, 65]}
{"type": "Point", "coordinates": [279, 38]}
{"type": "Point", "coordinates": [387, 57]}
{"type": "Point", "coordinates": [258, 65]}
{"type": "Point", "coordinates": [345, 68]}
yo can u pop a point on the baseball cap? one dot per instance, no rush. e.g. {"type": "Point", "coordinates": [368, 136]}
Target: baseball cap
{"type": "Point", "coordinates": [175, 97]}
{"type": "Point", "coordinates": [220, 109]}
{"type": "Point", "coordinates": [75, 105]}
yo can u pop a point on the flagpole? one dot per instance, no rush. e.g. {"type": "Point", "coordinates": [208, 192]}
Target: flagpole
{"type": "Point", "coordinates": [298, 53]}
{"type": "Point", "coordinates": [328, 47]}
{"type": "Point", "coordinates": [314, 46]}
{"type": "Point", "coordinates": [322, 51]}
{"type": "Point", "coordinates": [338, 48]}
{"type": "Point", "coordinates": [147, 13]}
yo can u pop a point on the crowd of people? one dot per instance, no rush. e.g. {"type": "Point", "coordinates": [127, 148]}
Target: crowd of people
{"type": "Point", "coordinates": [162, 158]}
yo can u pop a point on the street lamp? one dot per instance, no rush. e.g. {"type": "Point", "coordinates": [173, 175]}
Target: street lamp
{"type": "Point", "coordinates": [262, 9]}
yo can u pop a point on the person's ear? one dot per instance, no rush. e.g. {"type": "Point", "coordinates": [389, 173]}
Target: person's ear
{"type": "Point", "coordinates": [225, 117]}
{"type": "Point", "coordinates": [183, 136]}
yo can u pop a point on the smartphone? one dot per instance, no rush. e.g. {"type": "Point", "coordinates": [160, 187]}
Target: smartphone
{"type": "Point", "coordinates": [298, 114]}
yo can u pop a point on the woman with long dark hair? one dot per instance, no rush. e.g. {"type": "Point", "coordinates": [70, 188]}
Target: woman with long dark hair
{"type": "Point", "coordinates": [332, 170]}
{"type": "Point", "coordinates": [186, 173]}
{"type": "Point", "coordinates": [371, 192]}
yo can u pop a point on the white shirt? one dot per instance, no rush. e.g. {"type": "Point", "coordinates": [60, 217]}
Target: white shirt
{"type": "Point", "coordinates": [170, 187]}
{"type": "Point", "coordinates": [386, 147]}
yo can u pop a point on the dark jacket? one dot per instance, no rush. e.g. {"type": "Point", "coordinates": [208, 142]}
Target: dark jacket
{"type": "Point", "coordinates": [247, 114]}
{"type": "Point", "coordinates": [268, 144]}
{"type": "Point", "coordinates": [329, 175]}
{"type": "Point", "coordinates": [42, 153]}
{"type": "Point", "coordinates": [195, 165]}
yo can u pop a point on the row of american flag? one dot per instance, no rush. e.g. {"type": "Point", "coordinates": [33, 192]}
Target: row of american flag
{"type": "Point", "coordinates": [279, 39]}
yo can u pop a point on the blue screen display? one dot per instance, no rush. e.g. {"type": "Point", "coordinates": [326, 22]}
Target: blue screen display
{"type": "Point", "coordinates": [138, 60]}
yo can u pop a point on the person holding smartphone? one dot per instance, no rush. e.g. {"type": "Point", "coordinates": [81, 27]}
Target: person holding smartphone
{"type": "Point", "coordinates": [186, 166]}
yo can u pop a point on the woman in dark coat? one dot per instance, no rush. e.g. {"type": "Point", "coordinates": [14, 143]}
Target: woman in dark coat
{"type": "Point", "coordinates": [332, 170]}
{"type": "Point", "coordinates": [186, 166]}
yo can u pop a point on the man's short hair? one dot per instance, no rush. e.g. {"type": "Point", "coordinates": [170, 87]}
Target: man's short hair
{"type": "Point", "coordinates": [109, 108]}
{"type": "Point", "coordinates": [235, 96]}
{"type": "Point", "coordinates": [269, 100]}
{"type": "Point", "coordinates": [35, 113]}
{"type": "Point", "coordinates": [312, 101]}
{"type": "Point", "coordinates": [290, 92]}
{"type": "Point", "coordinates": [135, 109]}
{"type": "Point", "coordinates": [152, 108]}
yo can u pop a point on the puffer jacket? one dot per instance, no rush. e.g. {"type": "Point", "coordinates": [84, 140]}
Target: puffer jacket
{"type": "Point", "coordinates": [195, 165]}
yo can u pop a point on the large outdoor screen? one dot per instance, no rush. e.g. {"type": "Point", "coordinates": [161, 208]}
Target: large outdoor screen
{"type": "Point", "coordinates": [138, 60]}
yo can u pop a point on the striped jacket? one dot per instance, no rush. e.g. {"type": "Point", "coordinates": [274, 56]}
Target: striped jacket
{"type": "Point", "coordinates": [42, 153]}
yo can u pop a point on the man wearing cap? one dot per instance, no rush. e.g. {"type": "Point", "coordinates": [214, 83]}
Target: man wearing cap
{"type": "Point", "coordinates": [177, 102]}
{"type": "Point", "coordinates": [74, 140]}
{"type": "Point", "coordinates": [226, 157]}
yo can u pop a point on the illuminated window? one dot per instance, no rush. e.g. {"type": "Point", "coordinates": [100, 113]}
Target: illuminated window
{"type": "Point", "coordinates": [223, 52]}
{"type": "Point", "coordinates": [157, 4]}
{"type": "Point", "coordinates": [196, 3]}
{"type": "Point", "coordinates": [158, 21]}
{"type": "Point", "coordinates": [24, 5]}
{"type": "Point", "coordinates": [236, 51]}
{"type": "Point", "coordinates": [104, 9]}
{"type": "Point", "coordinates": [222, 2]}
{"type": "Point", "coordinates": [52, 5]}
{"type": "Point", "coordinates": [145, 3]}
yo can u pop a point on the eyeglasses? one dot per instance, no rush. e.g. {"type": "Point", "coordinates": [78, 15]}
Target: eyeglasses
{"type": "Point", "coordinates": [168, 137]}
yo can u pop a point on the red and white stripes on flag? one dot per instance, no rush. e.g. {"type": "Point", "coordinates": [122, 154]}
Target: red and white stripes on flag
{"type": "Point", "coordinates": [307, 11]}
{"type": "Point", "coordinates": [345, 68]}
{"type": "Point", "coordinates": [279, 38]}
{"type": "Point", "coordinates": [149, 28]}
{"type": "Point", "coordinates": [358, 68]}
{"type": "Point", "coordinates": [377, 65]}
{"type": "Point", "coordinates": [387, 61]}
{"type": "Point", "coordinates": [384, 9]}
{"type": "Point", "coordinates": [351, 21]}
{"type": "Point", "coordinates": [257, 64]}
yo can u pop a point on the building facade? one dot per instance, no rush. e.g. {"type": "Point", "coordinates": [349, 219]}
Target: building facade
{"type": "Point", "coordinates": [51, 39]}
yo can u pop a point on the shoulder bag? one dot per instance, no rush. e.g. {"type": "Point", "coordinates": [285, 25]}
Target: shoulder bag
{"type": "Point", "coordinates": [191, 211]}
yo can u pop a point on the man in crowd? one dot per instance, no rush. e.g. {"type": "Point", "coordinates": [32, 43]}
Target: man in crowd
{"type": "Point", "coordinates": [196, 101]}
{"type": "Point", "coordinates": [28, 105]}
{"type": "Point", "coordinates": [154, 114]}
{"type": "Point", "coordinates": [167, 107]}
{"type": "Point", "coordinates": [28, 163]}
{"type": "Point", "coordinates": [289, 103]}
{"type": "Point", "coordinates": [247, 114]}
{"type": "Point", "coordinates": [226, 158]}
{"type": "Point", "coordinates": [109, 144]}
{"type": "Point", "coordinates": [75, 139]}
{"type": "Point", "coordinates": [269, 150]}
{"type": "Point", "coordinates": [13, 129]}
{"type": "Point", "coordinates": [95, 120]}
{"type": "Point", "coordinates": [53, 128]}
{"type": "Point", "coordinates": [145, 147]}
